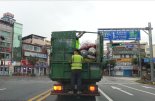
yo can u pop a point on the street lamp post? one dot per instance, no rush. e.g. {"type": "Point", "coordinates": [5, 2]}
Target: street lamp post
{"type": "Point", "coordinates": [109, 69]}
{"type": "Point", "coordinates": [139, 56]}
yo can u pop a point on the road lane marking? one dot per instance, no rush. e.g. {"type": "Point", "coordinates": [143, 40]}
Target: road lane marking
{"type": "Point", "coordinates": [148, 87]}
{"type": "Point", "coordinates": [137, 89]}
{"type": "Point", "coordinates": [104, 94]}
{"type": "Point", "coordinates": [38, 96]}
{"type": "Point", "coordinates": [116, 83]}
{"type": "Point", "coordinates": [3, 89]}
{"type": "Point", "coordinates": [121, 90]}
{"type": "Point", "coordinates": [42, 98]}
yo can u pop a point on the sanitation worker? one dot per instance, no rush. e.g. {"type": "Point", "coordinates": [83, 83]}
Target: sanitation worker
{"type": "Point", "coordinates": [76, 69]}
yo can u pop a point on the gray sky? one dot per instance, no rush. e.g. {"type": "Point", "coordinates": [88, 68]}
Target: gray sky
{"type": "Point", "coordinates": [43, 17]}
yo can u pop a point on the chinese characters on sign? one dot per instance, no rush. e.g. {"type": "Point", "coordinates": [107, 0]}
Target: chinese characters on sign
{"type": "Point", "coordinates": [121, 35]}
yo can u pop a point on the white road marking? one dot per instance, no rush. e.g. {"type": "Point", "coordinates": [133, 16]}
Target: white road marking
{"type": "Point", "coordinates": [116, 83]}
{"type": "Point", "coordinates": [2, 88]}
{"type": "Point", "coordinates": [121, 90]}
{"type": "Point", "coordinates": [107, 97]}
{"type": "Point", "coordinates": [148, 87]}
{"type": "Point", "coordinates": [137, 89]}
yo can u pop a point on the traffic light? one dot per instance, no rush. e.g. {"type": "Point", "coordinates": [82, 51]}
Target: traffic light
{"type": "Point", "coordinates": [116, 44]}
{"type": "Point", "coordinates": [2, 38]}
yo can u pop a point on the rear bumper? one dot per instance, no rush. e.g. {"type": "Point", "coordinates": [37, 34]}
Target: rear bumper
{"type": "Point", "coordinates": [74, 94]}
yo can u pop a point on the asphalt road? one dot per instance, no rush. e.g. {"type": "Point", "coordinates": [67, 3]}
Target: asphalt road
{"type": "Point", "coordinates": [22, 88]}
{"type": "Point", "coordinates": [111, 89]}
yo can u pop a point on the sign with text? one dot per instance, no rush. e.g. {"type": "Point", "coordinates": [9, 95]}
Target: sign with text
{"type": "Point", "coordinates": [148, 60]}
{"type": "Point", "coordinates": [120, 35]}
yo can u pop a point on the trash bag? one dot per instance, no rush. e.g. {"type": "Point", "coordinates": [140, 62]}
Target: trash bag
{"type": "Point", "coordinates": [91, 57]}
{"type": "Point", "coordinates": [84, 53]}
{"type": "Point", "coordinates": [92, 51]}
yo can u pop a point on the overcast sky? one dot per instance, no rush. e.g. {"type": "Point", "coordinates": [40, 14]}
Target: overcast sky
{"type": "Point", "coordinates": [43, 17]}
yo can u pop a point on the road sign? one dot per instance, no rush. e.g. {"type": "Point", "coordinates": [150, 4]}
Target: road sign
{"type": "Point", "coordinates": [120, 35]}
{"type": "Point", "coordinates": [129, 45]}
{"type": "Point", "coordinates": [148, 60]}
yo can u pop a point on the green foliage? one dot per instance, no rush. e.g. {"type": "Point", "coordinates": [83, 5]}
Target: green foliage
{"type": "Point", "coordinates": [111, 62]}
{"type": "Point", "coordinates": [17, 54]}
{"type": "Point", "coordinates": [32, 60]}
{"type": "Point", "coordinates": [135, 61]}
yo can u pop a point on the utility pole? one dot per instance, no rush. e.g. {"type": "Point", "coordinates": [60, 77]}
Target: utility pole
{"type": "Point", "coordinates": [147, 30]}
{"type": "Point", "coordinates": [151, 51]}
{"type": "Point", "coordinates": [139, 53]}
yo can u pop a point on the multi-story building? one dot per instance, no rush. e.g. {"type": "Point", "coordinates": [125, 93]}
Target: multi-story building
{"type": "Point", "coordinates": [11, 31]}
{"type": "Point", "coordinates": [34, 55]}
{"type": "Point", "coordinates": [123, 54]}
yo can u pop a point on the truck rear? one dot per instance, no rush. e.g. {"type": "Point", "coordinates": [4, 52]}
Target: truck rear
{"type": "Point", "coordinates": [63, 44]}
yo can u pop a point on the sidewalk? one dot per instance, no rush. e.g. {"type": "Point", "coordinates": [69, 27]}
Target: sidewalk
{"type": "Point", "coordinates": [23, 77]}
{"type": "Point", "coordinates": [128, 78]}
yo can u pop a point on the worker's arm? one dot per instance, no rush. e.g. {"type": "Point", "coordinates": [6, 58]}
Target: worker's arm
{"type": "Point", "coordinates": [80, 34]}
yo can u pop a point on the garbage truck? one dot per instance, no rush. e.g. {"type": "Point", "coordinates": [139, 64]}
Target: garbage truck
{"type": "Point", "coordinates": [63, 45]}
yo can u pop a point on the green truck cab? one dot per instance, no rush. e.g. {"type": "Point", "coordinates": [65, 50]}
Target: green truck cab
{"type": "Point", "coordinates": [63, 45]}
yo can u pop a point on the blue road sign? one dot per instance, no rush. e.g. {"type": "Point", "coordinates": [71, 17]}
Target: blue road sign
{"type": "Point", "coordinates": [121, 35]}
{"type": "Point", "coordinates": [129, 45]}
{"type": "Point", "coordinates": [148, 60]}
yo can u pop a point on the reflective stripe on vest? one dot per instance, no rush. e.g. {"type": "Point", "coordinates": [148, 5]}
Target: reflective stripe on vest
{"type": "Point", "coordinates": [76, 62]}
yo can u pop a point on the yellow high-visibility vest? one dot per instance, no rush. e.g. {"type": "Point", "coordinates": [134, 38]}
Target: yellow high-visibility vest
{"type": "Point", "coordinates": [77, 44]}
{"type": "Point", "coordinates": [76, 62]}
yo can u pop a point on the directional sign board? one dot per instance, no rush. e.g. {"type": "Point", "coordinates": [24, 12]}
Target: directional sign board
{"type": "Point", "coordinates": [120, 34]}
{"type": "Point", "coordinates": [148, 60]}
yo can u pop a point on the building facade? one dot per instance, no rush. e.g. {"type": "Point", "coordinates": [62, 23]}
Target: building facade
{"type": "Point", "coordinates": [9, 31]}
{"type": "Point", "coordinates": [34, 56]}
{"type": "Point", "coordinates": [123, 54]}
{"type": "Point", "coordinates": [147, 49]}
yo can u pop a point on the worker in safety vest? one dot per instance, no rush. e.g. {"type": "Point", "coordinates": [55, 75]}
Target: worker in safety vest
{"type": "Point", "coordinates": [76, 69]}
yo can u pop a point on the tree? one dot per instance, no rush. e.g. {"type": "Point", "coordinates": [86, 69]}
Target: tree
{"type": "Point", "coordinates": [32, 60]}
{"type": "Point", "coordinates": [135, 61]}
{"type": "Point", "coordinates": [111, 62]}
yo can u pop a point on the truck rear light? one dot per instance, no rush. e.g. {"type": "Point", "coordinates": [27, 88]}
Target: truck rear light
{"type": "Point", "coordinates": [57, 87]}
{"type": "Point", "coordinates": [92, 88]}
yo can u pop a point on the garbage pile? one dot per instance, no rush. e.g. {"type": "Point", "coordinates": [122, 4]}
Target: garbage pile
{"type": "Point", "coordinates": [88, 51]}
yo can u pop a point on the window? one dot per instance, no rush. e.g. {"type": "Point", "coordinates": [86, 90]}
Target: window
{"type": "Point", "coordinates": [37, 49]}
{"type": "Point", "coordinates": [28, 47]}
{"type": "Point", "coordinates": [8, 56]}
{"type": "Point", "coordinates": [2, 43]}
{"type": "Point", "coordinates": [147, 49]}
{"type": "Point", "coordinates": [8, 44]}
